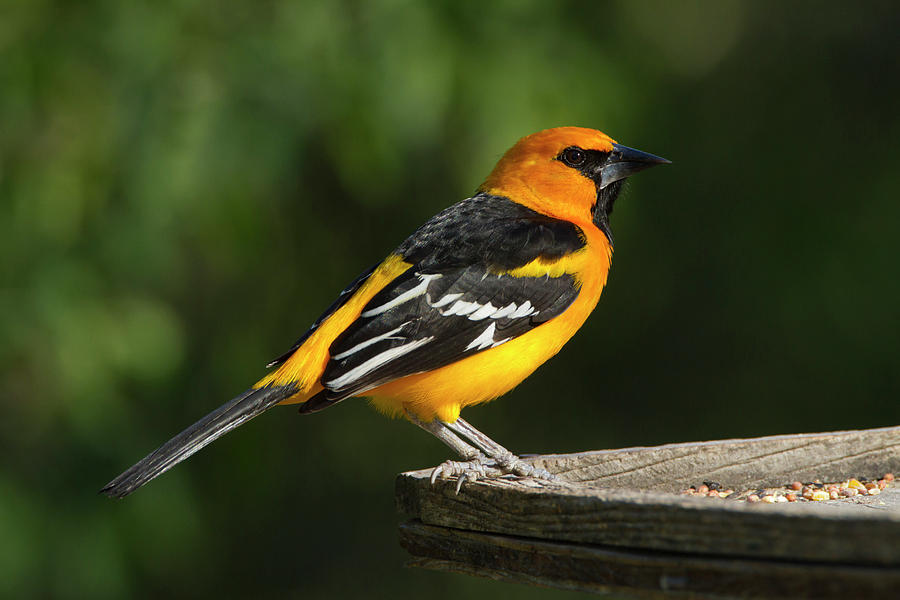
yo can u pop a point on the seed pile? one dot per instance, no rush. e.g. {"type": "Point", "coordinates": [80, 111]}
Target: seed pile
{"type": "Point", "coordinates": [812, 491]}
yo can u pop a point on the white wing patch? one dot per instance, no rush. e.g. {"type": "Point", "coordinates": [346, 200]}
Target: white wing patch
{"type": "Point", "coordinates": [505, 311]}
{"type": "Point", "coordinates": [523, 311]}
{"type": "Point", "coordinates": [373, 340]}
{"type": "Point", "coordinates": [375, 362]}
{"type": "Point", "coordinates": [461, 308]}
{"type": "Point", "coordinates": [406, 296]}
{"type": "Point", "coordinates": [484, 312]}
{"type": "Point", "coordinates": [477, 312]}
{"type": "Point", "coordinates": [486, 339]}
{"type": "Point", "coordinates": [445, 300]}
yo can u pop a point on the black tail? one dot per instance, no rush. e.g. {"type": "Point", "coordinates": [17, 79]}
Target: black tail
{"type": "Point", "coordinates": [212, 426]}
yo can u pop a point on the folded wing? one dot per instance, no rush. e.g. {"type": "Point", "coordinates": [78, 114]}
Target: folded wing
{"type": "Point", "coordinates": [428, 320]}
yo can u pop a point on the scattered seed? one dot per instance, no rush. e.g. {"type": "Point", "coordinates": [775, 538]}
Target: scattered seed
{"type": "Point", "coordinates": [796, 491]}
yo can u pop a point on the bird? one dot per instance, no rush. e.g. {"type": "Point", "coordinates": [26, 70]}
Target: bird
{"type": "Point", "coordinates": [458, 314]}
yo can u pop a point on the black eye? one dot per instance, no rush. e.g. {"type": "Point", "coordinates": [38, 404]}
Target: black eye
{"type": "Point", "coordinates": [574, 157]}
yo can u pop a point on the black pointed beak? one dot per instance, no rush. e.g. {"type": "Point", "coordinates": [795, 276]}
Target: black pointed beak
{"type": "Point", "coordinates": [624, 161]}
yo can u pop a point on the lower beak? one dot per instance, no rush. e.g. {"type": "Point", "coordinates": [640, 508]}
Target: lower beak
{"type": "Point", "coordinates": [624, 161]}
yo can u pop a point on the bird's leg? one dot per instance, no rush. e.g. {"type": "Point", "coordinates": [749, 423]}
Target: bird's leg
{"type": "Point", "coordinates": [474, 462]}
{"type": "Point", "coordinates": [506, 460]}
{"type": "Point", "coordinates": [440, 431]}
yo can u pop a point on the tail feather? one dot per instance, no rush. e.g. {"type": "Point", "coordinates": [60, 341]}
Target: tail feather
{"type": "Point", "coordinates": [217, 423]}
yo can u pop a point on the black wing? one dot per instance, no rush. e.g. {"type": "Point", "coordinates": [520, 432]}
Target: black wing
{"type": "Point", "coordinates": [455, 301]}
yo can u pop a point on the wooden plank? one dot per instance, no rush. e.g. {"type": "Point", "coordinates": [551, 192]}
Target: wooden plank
{"type": "Point", "coordinates": [862, 531]}
{"type": "Point", "coordinates": [639, 574]}
{"type": "Point", "coordinates": [737, 463]}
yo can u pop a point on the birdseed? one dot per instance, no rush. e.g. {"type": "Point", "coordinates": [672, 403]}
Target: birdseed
{"type": "Point", "coordinates": [811, 491]}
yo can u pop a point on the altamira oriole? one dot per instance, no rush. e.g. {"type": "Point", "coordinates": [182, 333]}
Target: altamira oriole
{"type": "Point", "coordinates": [461, 312]}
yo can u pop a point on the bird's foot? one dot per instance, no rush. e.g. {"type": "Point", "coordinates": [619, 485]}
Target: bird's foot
{"type": "Point", "coordinates": [468, 470]}
{"type": "Point", "coordinates": [482, 467]}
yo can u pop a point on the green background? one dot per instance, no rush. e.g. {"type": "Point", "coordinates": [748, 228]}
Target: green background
{"type": "Point", "coordinates": [184, 186]}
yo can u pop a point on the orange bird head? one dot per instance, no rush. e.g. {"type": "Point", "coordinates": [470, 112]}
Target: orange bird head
{"type": "Point", "coordinates": [569, 173]}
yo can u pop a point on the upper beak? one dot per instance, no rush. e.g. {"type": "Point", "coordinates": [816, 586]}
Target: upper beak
{"type": "Point", "coordinates": [624, 161]}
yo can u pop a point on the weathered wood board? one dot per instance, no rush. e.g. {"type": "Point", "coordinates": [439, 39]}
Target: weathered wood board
{"type": "Point", "coordinates": [617, 511]}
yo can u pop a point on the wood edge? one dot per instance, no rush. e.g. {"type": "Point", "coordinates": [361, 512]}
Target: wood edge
{"type": "Point", "coordinates": [406, 494]}
{"type": "Point", "coordinates": [663, 574]}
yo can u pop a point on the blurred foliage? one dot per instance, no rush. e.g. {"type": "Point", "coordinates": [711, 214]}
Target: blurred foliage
{"type": "Point", "coordinates": [184, 185]}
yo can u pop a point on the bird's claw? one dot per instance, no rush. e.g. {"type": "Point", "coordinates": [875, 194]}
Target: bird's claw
{"type": "Point", "coordinates": [469, 470]}
{"type": "Point", "coordinates": [470, 476]}
{"type": "Point", "coordinates": [482, 467]}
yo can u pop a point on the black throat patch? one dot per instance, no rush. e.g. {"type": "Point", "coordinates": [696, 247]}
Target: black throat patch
{"type": "Point", "coordinates": [603, 207]}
